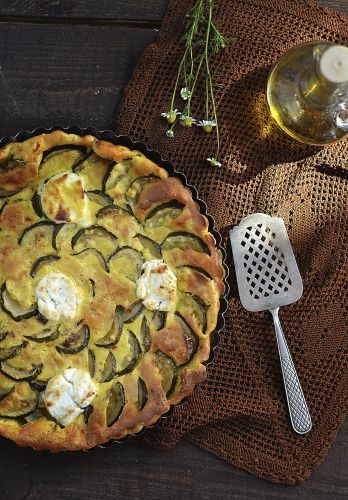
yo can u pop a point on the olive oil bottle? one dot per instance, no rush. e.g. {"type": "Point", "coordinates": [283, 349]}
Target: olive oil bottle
{"type": "Point", "coordinates": [307, 92]}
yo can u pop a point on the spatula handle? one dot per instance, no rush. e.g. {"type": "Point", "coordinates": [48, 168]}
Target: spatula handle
{"type": "Point", "coordinates": [298, 410]}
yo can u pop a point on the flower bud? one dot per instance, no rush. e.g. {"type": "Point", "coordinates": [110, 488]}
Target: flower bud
{"type": "Point", "coordinates": [187, 122]}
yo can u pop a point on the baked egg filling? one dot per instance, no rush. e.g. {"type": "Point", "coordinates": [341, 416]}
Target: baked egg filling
{"type": "Point", "coordinates": [156, 287]}
{"type": "Point", "coordinates": [57, 297]}
{"type": "Point", "coordinates": [68, 394]}
{"type": "Point", "coordinates": [63, 199]}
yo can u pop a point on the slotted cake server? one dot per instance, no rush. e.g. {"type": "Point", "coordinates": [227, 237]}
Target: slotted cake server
{"type": "Point", "coordinates": [268, 278]}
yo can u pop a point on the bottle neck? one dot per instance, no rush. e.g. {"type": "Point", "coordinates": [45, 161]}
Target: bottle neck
{"type": "Point", "coordinates": [319, 91]}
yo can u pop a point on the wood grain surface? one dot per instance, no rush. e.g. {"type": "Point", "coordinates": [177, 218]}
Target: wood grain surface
{"type": "Point", "coordinates": [103, 9]}
{"type": "Point", "coordinates": [129, 471]}
{"type": "Point", "coordinates": [92, 9]}
{"type": "Point", "coordinates": [63, 74]}
{"type": "Point", "coordinates": [67, 62]}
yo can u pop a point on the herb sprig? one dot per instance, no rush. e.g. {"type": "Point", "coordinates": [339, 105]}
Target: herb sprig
{"type": "Point", "coordinates": [201, 40]}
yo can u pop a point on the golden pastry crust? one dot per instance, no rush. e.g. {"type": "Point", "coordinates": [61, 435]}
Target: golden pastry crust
{"type": "Point", "coordinates": [141, 361]}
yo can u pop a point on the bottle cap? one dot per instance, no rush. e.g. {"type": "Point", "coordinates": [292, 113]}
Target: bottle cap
{"type": "Point", "coordinates": [333, 64]}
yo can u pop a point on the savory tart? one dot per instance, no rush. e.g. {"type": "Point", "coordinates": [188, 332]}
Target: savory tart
{"type": "Point", "coordinates": [110, 286]}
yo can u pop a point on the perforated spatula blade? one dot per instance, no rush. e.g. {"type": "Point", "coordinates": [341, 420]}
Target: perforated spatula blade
{"type": "Point", "coordinates": [268, 278]}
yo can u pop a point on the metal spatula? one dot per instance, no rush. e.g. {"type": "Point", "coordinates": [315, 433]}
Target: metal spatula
{"type": "Point", "coordinates": [268, 277]}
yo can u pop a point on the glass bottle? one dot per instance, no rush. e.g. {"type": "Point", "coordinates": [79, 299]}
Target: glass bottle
{"type": "Point", "coordinates": [307, 92]}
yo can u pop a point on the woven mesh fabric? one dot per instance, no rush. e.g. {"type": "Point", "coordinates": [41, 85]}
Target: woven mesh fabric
{"type": "Point", "coordinates": [240, 413]}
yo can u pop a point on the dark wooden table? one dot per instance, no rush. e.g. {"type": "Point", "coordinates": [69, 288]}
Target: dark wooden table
{"type": "Point", "coordinates": [67, 62]}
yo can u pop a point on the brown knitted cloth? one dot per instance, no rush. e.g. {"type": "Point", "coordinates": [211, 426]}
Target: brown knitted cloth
{"type": "Point", "coordinates": [240, 413]}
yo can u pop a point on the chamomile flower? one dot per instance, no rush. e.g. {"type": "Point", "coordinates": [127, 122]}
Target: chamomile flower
{"type": "Point", "coordinates": [185, 93]}
{"type": "Point", "coordinates": [207, 125]}
{"type": "Point", "coordinates": [213, 162]}
{"type": "Point", "coordinates": [170, 115]}
{"type": "Point", "coordinates": [170, 133]}
{"type": "Point", "coordinates": [187, 121]}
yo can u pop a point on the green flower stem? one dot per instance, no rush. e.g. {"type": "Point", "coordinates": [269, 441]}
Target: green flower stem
{"type": "Point", "coordinates": [209, 78]}
{"type": "Point", "coordinates": [206, 99]}
{"type": "Point", "coordinates": [188, 105]}
{"type": "Point", "coordinates": [177, 81]}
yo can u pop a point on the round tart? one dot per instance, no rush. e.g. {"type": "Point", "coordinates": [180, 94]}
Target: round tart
{"type": "Point", "coordinates": [110, 291]}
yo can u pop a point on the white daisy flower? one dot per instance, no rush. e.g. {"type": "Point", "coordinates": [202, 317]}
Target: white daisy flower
{"type": "Point", "coordinates": [185, 93]}
{"type": "Point", "coordinates": [207, 125]}
{"type": "Point", "coordinates": [213, 162]}
{"type": "Point", "coordinates": [170, 115]}
{"type": "Point", "coordinates": [170, 133]}
{"type": "Point", "coordinates": [187, 121]}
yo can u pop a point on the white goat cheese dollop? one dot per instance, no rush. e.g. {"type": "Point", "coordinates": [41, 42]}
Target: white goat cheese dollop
{"type": "Point", "coordinates": [68, 394]}
{"type": "Point", "coordinates": [63, 198]}
{"type": "Point", "coordinates": [156, 287]}
{"type": "Point", "coordinates": [57, 297]}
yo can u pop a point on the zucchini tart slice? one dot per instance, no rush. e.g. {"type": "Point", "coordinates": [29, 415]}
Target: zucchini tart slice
{"type": "Point", "coordinates": [110, 284]}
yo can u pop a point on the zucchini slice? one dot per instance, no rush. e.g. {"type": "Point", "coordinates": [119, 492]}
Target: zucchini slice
{"type": "Point", "coordinates": [61, 149]}
{"type": "Point", "coordinates": [142, 394]}
{"type": "Point", "coordinates": [196, 309]}
{"type": "Point", "coordinates": [11, 162]}
{"type": "Point", "coordinates": [91, 363]}
{"type": "Point", "coordinates": [191, 338]}
{"type": "Point", "coordinates": [11, 352]}
{"type": "Point", "coordinates": [127, 261]}
{"type": "Point", "coordinates": [99, 197]}
{"type": "Point", "coordinates": [61, 160]}
{"type": "Point", "coordinates": [90, 236]}
{"type": "Point", "coordinates": [116, 403]}
{"type": "Point", "coordinates": [118, 220]}
{"type": "Point", "coordinates": [4, 394]}
{"type": "Point", "coordinates": [39, 385]}
{"type": "Point", "coordinates": [164, 213]}
{"type": "Point", "coordinates": [198, 269]}
{"type": "Point", "coordinates": [145, 333]}
{"type": "Point", "coordinates": [168, 371]}
{"type": "Point", "coordinates": [79, 163]}
{"type": "Point", "coordinates": [137, 186]}
{"type": "Point", "coordinates": [87, 413]}
{"type": "Point", "coordinates": [22, 401]}
{"type": "Point", "coordinates": [59, 234]}
{"type": "Point", "coordinates": [33, 416]}
{"type": "Point", "coordinates": [76, 341]}
{"type": "Point", "coordinates": [130, 314]}
{"type": "Point", "coordinates": [3, 336]}
{"type": "Point", "coordinates": [41, 319]}
{"type": "Point", "coordinates": [45, 259]}
{"type": "Point", "coordinates": [135, 356]}
{"type": "Point", "coordinates": [159, 319]}
{"type": "Point", "coordinates": [99, 256]}
{"type": "Point", "coordinates": [107, 175]}
{"type": "Point", "coordinates": [112, 210]}
{"type": "Point", "coordinates": [3, 206]}
{"type": "Point", "coordinates": [109, 370]}
{"type": "Point", "coordinates": [43, 226]}
{"type": "Point", "coordinates": [114, 334]}
{"type": "Point", "coordinates": [19, 374]}
{"type": "Point", "coordinates": [93, 286]}
{"type": "Point", "coordinates": [184, 240]}
{"type": "Point", "coordinates": [151, 245]}
{"type": "Point", "coordinates": [46, 335]}
{"type": "Point", "coordinates": [36, 202]}
{"type": "Point", "coordinates": [12, 308]}
{"type": "Point", "coordinates": [7, 194]}
{"type": "Point", "coordinates": [154, 321]}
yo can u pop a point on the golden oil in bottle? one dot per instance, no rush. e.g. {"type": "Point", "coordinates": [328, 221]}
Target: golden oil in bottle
{"type": "Point", "coordinates": [307, 92]}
